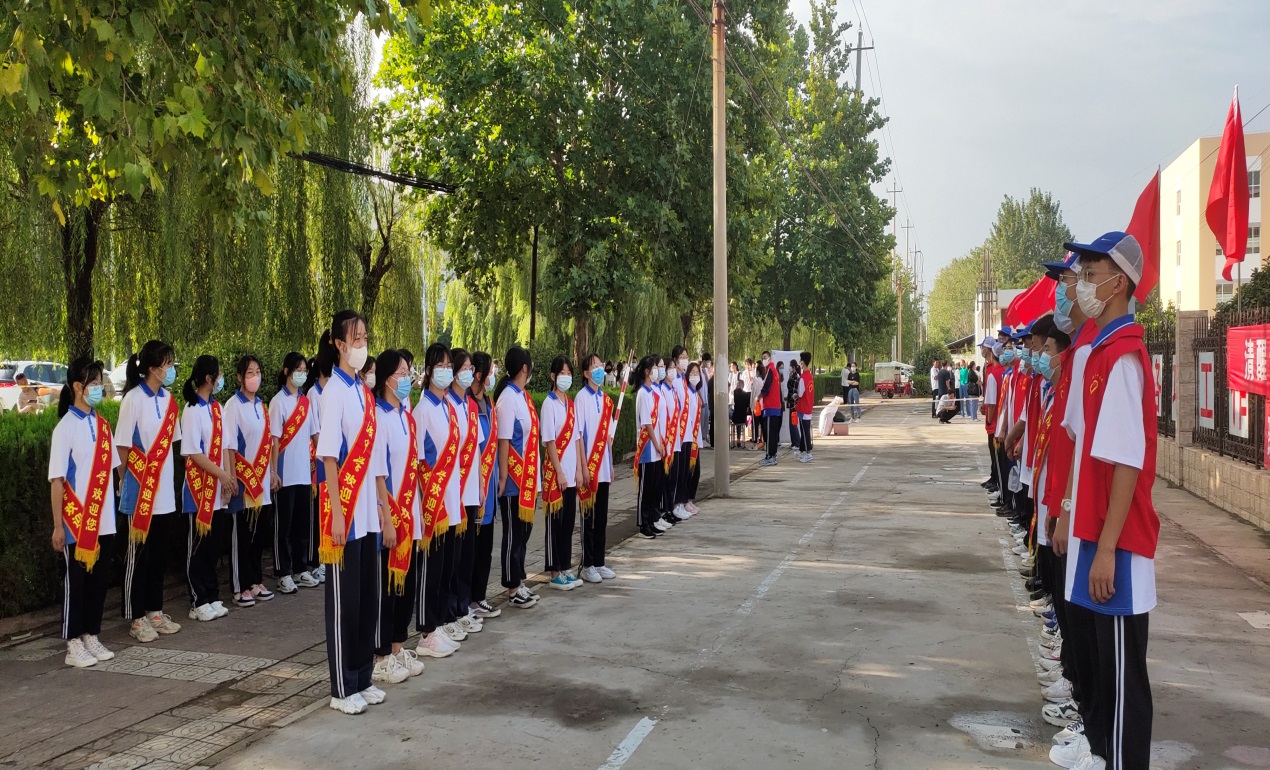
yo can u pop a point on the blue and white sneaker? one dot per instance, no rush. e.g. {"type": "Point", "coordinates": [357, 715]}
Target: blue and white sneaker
{"type": "Point", "coordinates": [561, 583]}
{"type": "Point", "coordinates": [572, 579]}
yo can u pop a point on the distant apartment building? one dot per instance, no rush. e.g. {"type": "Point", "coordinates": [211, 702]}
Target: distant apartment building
{"type": "Point", "coordinates": [1190, 261]}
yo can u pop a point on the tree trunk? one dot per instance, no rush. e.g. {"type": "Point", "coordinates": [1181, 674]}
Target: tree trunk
{"type": "Point", "coordinates": [685, 321]}
{"type": "Point", "coordinates": [370, 296]}
{"type": "Point", "coordinates": [787, 331]}
{"type": "Point", "coordinates": [581, 339]}
{"type": "Point", "coordinates": [79, 260]}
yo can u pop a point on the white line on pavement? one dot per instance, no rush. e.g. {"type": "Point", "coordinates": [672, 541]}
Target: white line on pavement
{"type": "Point", "coordinates": [628, 745]}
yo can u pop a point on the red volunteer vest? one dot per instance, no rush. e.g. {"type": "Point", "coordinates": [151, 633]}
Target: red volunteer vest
{"type": "Point", "coordinates": [992, 373]}
{"type": "Point", "coordinates": [773, 398]}
{"type": "Point", "coordinates": [808, 400]}
{"type": "Point", "coordinates": [1061, 446]}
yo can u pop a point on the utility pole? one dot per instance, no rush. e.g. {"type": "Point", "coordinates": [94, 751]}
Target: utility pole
{"type": "Point", "coordinates": [533, 288]}
{"type": "Point", "coordinates": [720, 416]}
{"type": "Point", "coordinates": [899, 319]}
{"type": "Point", "coordinates": [860, 49]}
{"type": "Point", "coordinates": [895, 351]}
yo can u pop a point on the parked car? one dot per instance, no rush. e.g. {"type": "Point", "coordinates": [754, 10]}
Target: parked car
{"type": "Point", "coordinates": [45, 376]}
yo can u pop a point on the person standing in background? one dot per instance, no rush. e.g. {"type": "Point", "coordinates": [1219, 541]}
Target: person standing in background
{"type": "Point", "coordinates": [934, 387]}
{"type": "Point", "coordinates": [853, 391]}
{"type": "Point", "coordinates": [963, 381]}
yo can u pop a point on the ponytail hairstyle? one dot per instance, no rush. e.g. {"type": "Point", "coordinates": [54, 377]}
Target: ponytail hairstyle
{"type": "Point", "coordinates": [82, 370]}
{"type": "Point", "coordinates": [241, 368]}
{"type": "Point", "coordinates": [152, 355]}
{"type": "Point", "coordinates": [204, 367]}
{"type": "Point", "coordinates": [640, 370]}
{"type": "Point", "coordinates": [516, 360]}
{"type": "Point", "coordinates": [436, 353]}
{"type": "Point", "coordinates": [410, 357]}
{"type": "Point", "coordinates": [342, 325]}
{"type": "Point", "coordinates": [289, 365]}
{"type": "Point", "coordinates": [557, 367]}
{"type": "Point", "coordinates": [319, 366]}
{"type": "Point", "coordinates": [458, 357]}
{"type": "Point", "coordinates": [481, 362]}
{"type": "Point", "coordinates": [385, 366]}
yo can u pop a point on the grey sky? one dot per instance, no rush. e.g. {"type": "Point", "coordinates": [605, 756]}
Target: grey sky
{"type": "Point", "coordinates": [1082, 98]}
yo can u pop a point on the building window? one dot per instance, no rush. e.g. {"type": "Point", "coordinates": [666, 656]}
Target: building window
{"type": "Point", "coordinates": [1254, 241]}
{"type": "Point", "coordinates": [1179, 197]}
{"type": "Point", "coordinates": [1254, 183]}
{"type": "Point", "coordinates": [1225, 291]}
{"type": "Point", "coordinates": [1179, 253]}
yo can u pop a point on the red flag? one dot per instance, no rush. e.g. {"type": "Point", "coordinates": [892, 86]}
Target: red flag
{"type": "Point", "coordinates": [1034, 302]}
{"type": "Point", "coordinates": [1145, 227]}
{"type": "Point", "coordinates": [1227, 211]}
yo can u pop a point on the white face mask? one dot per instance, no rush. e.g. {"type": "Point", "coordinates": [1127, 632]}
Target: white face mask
{"type": "Point", "coordinates": [1087, 297]}
{"type": "Point", "coordinates": [355, 357]}
{"type": "Point", "coordinates": [695, 379]}
{"type": "Point", "coordinates": [683, 364]}
{"type": "Point", "coordinates": [369, 379]}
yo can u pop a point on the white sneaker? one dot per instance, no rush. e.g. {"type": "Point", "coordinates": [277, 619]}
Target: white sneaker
{"type": "Point", "coordinates": [142, 631]}
{"type": "Point", "coordinates": [454, 631]}
{"type": "Point", "coordinates": [286, 585]}
{"type": "Point", "coordinates": [373, 695]}
{"type": "Point", "coordinates": [484, 610]}
{"type": "Point", "coordinates": [1019, 550]}
{"type": "Point", "coordinates": [1058, 692]}
{"type": "Point", "coordinates": [221, 609]}
{"type": "Point", "coordinates": [1069, 733]}
{"type": "Point", "coordinates": [319, 574]}
{"type": "Point", "coordinates": [96, 648]}
{"type": "Point", "coordinates": [204, 613]}
{"type": "Point", "coordinates": [470, 624]}
{"type": "Point", "coordinates": [435, 645]}
{"type": "Point", "coordinates": [389, 670]}
{"type": "Point", "coordinates": [353, 704]}
{"type": "Point", "coordinates": [1052, 643]}
{"type": "Point", "coordinates": [1050, 676]}
{"type": "Point", "coordinates": [162, 622]}
{"type": "Point", "coordinates": [1049, 664]}
{"type": "Point", "coordinates": [1059, 714]}
{"type": "Point", "coordinates": [306, 580]}
{"type": "Point", "coordinates": [682, 512]}
{"type": "Point", "coordinates": [692, 507]}
{"type": "Point", "coordinates": [591, 575]}
{"type": "Point", "coordinates": [606, 573]}
{"type": "Point", "coordinates": [77, 656]}
{"type": "Point", "coordinates": [661, 525]}
{"type": "Point", "coordinates": [409, 660]}
{"type": "Point", "coordinates": [1088, 761]}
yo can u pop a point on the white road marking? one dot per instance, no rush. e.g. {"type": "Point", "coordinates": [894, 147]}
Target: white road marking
{"type": "Point", "coordinates": [628, 745]}
{"type": "Point", "coordinates": [1257, 619]}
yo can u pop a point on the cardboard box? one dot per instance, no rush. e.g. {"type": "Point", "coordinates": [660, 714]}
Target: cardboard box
{"type": "Point", "coordinates": [840, 429]}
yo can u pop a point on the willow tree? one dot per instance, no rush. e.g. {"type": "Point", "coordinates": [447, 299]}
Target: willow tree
{"type": "Point", "coordinates": [102, 101]}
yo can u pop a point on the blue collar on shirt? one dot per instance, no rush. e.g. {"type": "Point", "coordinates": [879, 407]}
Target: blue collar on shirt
{"type": "Point", "coordinates": [387, 407]}
{"type": "Point", "coordinates": [78, 413]}
{"type": "Point", "coordinates": [594, 390]}
{"type": "Point", "coordinates": [552, 395]}
{"type": "Point", "coordinates": [1112, 328]}
{"type": "Point", "coordinates": [345, 376]}
{"type": "Point", "coordinates": [242, 398]}
{"type": "Point", "coordinates": [432, 398]}
{"type": "Point", "coordinates": [203, 402]}
{"type": "Point", "coordinates": [149, 392]}
{"type": "Point", "coordinates": [457, 398]}
{"type": "Point", "coordinates": [318, 385]}
{"type": "Point", "coordinates": [646, 388]}
{"type": "Point", "coordinates": [512, 385]}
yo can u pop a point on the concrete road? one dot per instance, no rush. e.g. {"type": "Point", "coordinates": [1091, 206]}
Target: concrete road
{"type": "Point", "coordinates": [860, 611]}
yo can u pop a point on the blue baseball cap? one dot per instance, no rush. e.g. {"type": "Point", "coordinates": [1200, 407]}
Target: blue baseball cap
{"type": "Point", "coordinates": [1055, 269]}
{"type": "Point", "coordinates": [1123, 249]}
{"type": "Point", "coordinates": [1023, 330]}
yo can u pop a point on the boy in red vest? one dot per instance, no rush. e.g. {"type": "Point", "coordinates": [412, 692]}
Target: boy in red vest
{"type": "Point", "coordinates": [1113, 525]}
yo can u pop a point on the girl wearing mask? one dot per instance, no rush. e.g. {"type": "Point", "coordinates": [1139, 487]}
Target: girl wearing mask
{"type": "Point", "coordinates": [249, 442]}
{"type": "Point", "coordinates": [650, 471]}
{"type": "Point", "coordinates": [690, 469]}
{"type": "Point", "coordinates": [518, 472]}
{"type": "Point", "coordinates": [81, 461]}
{"type": "Point", "coordinates": [208, 479]}
{"type": "Point", "coordinates": [348, 529]}
{"type": "Point", "coordinates": [320, 367]}
{"type": "Point", "coordinates": [668, 423]}
{"type": "Point", "coordinates": [483, 548]}
{"type": "Point", "coordinates": [439, 443]}
{"type": "Point", "coordinates": [462, 621]}
{"type": "Point", "coordinates": [596, 424]}
{"type": "Point", "coordinates": [292, 426]}
{"type": "Point", "coordinates": [149, 427]}
{"type": "Point", "coordinates": [397, 481]}
{"type": "Point", "coordinates": [560, 474]}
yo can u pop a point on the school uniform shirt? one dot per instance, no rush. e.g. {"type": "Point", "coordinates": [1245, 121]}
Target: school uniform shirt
{"type": "Point", "coordinates": [514, 422]}
{"type": "Point", "coordinates": [71, 457]}
{"type": "Point", "coordinates": [991, 393]}
{"type": "Point", "coordinates": [469, 493]}
{"type": "Point", "coordinates": [666, 406]}
{"type": "Point", "coordinates": [483, 407]}
{"type": "Point", "coordinates": [680, 386]}
{"type": "Point", "coordinates": [645, 408]}
{"type": "Point", "coordinates": [244, 427]}
{"type": "Point", "coordinates": [140, 416]}
{"type": "Point", "coordinates": [1005, 412]}
{"type": "Point", "coordinates": [692, 431]}
{"type": "Point", "coordinates": [432, 421]}
{"type": "Point", "coordinates": [392, 449]}
{"type": "Point", "coordinates": [747, 381]}
{"type": "Point", "coordinates": [293, 460]}
{"type": "Point", "coordinates": [343, 404]}
{"type": "Point", "coordinates": [196, 439]}
{"type": "Point", "coordinates": [1041, 473]}
{"type": "Point", "coordinates": [550, 420]}
{"type": "Point", "coordinates": [588, 407]}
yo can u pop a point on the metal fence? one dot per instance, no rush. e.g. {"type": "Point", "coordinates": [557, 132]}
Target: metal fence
{"type": "Point", "coordinates": [1213, 430]}
{"type": "Point", "coordinates": [1161, 342]}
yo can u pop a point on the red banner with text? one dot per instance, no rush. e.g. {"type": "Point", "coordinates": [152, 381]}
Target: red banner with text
{"type": "Point", "coordinates": [1248, 359]}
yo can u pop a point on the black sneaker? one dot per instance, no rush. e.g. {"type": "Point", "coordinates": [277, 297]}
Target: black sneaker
{"type": "Point", "coordinates": [648, 533]}
{"type": "Point", "coordinates": [1037, 594]}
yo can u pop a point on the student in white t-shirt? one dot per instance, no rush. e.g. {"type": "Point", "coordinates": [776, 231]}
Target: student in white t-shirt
{"type": "Point", "coordinates": [206, 464]}
{"type": "Point", "coordinates": [352, 596]}
{"type": "Point", "coordinates": [73, 453]}
{"type": "Point", "coordinates": [518, 432]}
{"type": "Point", "coordinates": [470, 494]}
{"type": "Point", "coordinates": [320, 368]}
{"type": "Point", "coordinates": [148, 409]}
{"type": "Point", "coordinates": [590, 405]}
{"type": "Point", "coordinates": [249, 441]}
{"type": "Point", "coordinates": [483, 552]}
{"type": "Point", "coordinates": [290, 476]}
{"type": "Point", "coordinates": [560, 486]}
{"type": "Point", "coordinates": [649, 450]}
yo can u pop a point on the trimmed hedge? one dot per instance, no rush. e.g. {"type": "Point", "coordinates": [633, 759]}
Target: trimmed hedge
{"type": "Point", "coordinates": [31, 571]}
{"type": "Point", "coordinates": [830, 385]}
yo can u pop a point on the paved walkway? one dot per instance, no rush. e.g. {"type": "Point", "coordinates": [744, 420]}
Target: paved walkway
{"type": "Point", "coordinates": [860, 611]}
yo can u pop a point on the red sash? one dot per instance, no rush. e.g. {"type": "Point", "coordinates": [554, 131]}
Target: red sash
{"type": "Point", "coordinates": [1041, 443]}
{"type": "Point", "coordinates": [84, 523]}
{"type": "Point", "coordinates": [696, 438]}
{"type": "Point", "coordinates": [145, 467]}
{"type": "Point", "coordinates": [646, 432]}
{"type": "Point", "coordinates": [672, 432]}
{"type": "Point", "coordinates": [437, 478]}
{"type": "Point", "coordinates": [467, 453]}
{"type": "Point", "coordinates": [552, 494]}
{"type": "Point", "coordinates": [252, 475]}
{"type": "Point", "coordinates": [586, 493]}
{"type": "Point", "coordinates": [202, 483]}
{"type": "Point", "coordinates": [401, 506]}
{"type": "Point", "coordinates": [352, 474]}
{"type": "Point", "coordinates": [292, 426]}
{"type": "Point", "coordinates": [491, 447]}
{"type": "Point", "coordinates": [524, 469]}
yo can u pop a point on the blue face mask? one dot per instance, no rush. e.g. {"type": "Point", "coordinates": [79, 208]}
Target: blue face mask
{"type": "Point", "coordinates": [597, 375]}
{"type": "Point", "coordinates": [465, 378]}
{"type": "Point", "coordinates": [220, 383]}
{"type": "Point", "coordinates": [1042, 366]}
{"type": "Point", "coordinates": [1061, 303]}
{"type": "Point", "coordinates": [1007, 356]}
{"type": "Point", "coordinates": [169, 377]}
{"type": "Point", "coordinates": [1025, 356]}
{"type": "Point", "coordinates": [403, 387]}
{"type": "Point", "coordinates": [93, 395]}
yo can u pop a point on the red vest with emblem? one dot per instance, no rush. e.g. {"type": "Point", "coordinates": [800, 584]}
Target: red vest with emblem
{"type": "Point", "coordinates": [807, 401]}
{"type": "Point", "coordinates": [1062, 448]}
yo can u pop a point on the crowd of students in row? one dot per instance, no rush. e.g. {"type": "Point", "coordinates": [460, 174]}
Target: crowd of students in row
{"type": "Point", "coordinates": [388, 504]}
{"type": "Point", "coordinates": [1072, 434]}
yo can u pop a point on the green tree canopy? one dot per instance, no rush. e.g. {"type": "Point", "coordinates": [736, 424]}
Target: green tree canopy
{"type": "Point", "coordinates": [1026, 234]}
{"type": "Point", "coordinates": [952, 297]}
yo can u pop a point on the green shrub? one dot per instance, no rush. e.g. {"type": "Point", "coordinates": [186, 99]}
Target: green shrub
{"type": "Point", "coordinates": [830, 385]}
{"type": "Point", "coordinates": [930, 352]}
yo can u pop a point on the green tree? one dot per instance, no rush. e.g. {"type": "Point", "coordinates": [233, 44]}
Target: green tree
{"type": "Point", "coordinates": [102, 101]}
{"type": "Point", "coordinates": [1026, 234]}
{"type": "Point", "coordinates": [952, 297]}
